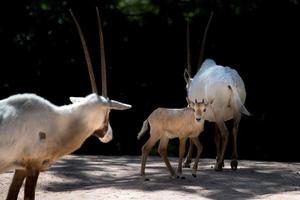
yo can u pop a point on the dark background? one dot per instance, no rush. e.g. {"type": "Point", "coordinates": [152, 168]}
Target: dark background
{"type": "Point", "coordinates": [40, 52]}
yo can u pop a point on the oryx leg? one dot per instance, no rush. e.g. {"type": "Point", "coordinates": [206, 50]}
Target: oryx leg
{"type": "Point", "coordinates": [30, 184]}
{"type": "Point", "coordinates": [188, 159]}
{"type": "Point", "coordinates": [182, 142]}
{"type": "Point", "coordinates": [199, 151]}
{"type": "Point", "coordinates": [16, 184]}
{"type": "Point", "coordinates": [146, 150]}
{"type": "Point", "coordinates": [162, 150]}
{"type": "Point", "coordinates": [234, 162]}
{"type": "Point", "coordinates": [224, 140]}
{"type": "Point", "coordinates": [218, 143]}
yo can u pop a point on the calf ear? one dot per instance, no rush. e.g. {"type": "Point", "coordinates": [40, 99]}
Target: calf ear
{"type": "Point", "coordinates": [76, 99]}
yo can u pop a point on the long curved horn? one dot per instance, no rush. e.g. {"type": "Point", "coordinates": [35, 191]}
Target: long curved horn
{"type": "Point", "coordinates": [86, 54]}
{"type": "Point", "coordinates": [102, 56]}
{"type": "Point", "coordinates": [188, 56]}
{"type": "Point", "coordinates": [204, 39]}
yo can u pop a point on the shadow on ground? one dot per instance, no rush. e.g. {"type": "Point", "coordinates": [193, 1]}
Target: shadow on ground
{"type": "Point", "coordinates": [251, 180]}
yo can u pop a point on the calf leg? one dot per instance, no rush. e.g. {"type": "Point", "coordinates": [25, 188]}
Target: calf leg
{"type": "Point", "coordinates": [199, 151]}
{"type": "Point", "coordinates": [16, 184]}
{"type": "Point", "coordinates": [146, 150]}
{"type": "Point", "coordinates": [188, 159]}
{"type": "Point", "coordinates": [30, 184]}
{"type": "Point", "coordinates": [162, 150]}
{"type": "Point", "coordinates": [182, 142]}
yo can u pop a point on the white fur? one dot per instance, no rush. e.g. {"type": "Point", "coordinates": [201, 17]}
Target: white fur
{"type": "Point", "coordinates": [211, 84]}
{"type": "Point", "coordinates": [35, 132]}
{"type": "Point", "coordinates": [226, 90]}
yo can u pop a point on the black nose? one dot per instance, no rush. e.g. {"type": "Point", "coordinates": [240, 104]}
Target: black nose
{"type": "Point", "coordinates": [198, 119]}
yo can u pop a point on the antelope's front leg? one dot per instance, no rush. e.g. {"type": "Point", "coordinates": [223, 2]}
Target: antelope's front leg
{"type": "Point", "coordinates": [162, 150]}
{"type": "Point", "coordinates": [199, 151]}
{"type": "Point", "coordinates": [188, 159]}
{"type": "Point", "coordinates": [16, 184]}
{"type": "Point", "coordinates": [182, 142]}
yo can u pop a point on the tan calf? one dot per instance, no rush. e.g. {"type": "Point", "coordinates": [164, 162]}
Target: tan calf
{"type": "Point", "coordinates": [166, 124]}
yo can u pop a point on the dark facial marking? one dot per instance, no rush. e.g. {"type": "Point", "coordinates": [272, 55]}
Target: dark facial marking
{"type": "Point", "coordinates": [102, 131]}
{"type": "Point", "coordinates": [42, 136]}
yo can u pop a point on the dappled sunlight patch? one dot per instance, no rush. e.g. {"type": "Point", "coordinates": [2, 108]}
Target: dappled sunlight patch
{"type": "Point", "coordinates": [118, 177]}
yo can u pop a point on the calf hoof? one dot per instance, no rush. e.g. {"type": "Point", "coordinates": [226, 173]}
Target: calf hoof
{"type": "Point", "coordinates": [175, 176]}
{"type": "Point", "coordinates": [219, 167]}
{"type": "Point", "coordinates": [143, 178]}
{"type": "Point", "coordinates": [234, 164]}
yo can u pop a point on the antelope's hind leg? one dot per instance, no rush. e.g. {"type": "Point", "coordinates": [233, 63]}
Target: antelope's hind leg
{"type": "Point", "coordinates": [145, 152]}
{"type": "Point", "coordinates": [16, 184]}
{"type": "Point", "coordinates": [224, 141]}
{"type": "Point", "coordinates": [235, 129]}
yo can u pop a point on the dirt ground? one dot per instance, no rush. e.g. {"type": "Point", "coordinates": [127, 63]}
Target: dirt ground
{"type": "Point", "coordinates": [111, 177]}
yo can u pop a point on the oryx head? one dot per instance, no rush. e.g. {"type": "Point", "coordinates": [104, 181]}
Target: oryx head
{"type": "Point", "coordinates": [104, 132]}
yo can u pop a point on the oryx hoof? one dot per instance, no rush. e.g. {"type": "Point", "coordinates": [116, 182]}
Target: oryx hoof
{"type": "Point", "coordinates": [194, 175]}
{"type": "Point", "coordinates": [143, 178]}
{"type": "Point", "coordinates": [234, 164]}
{"type": "Point", "coordinates": [219, 166]}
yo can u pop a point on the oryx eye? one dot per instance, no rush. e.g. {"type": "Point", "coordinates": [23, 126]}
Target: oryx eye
{"type": "Point", "coordinates": [204, 110]}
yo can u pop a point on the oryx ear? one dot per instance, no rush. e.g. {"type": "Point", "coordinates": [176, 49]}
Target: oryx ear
{"type": "Point", "coordinates": [211, 102]}
{"type": "Point", "coordinates": [187, 76]}
{"type": "Point", "coordinates": [189, 102]}
{"type": "Point", "coordinates": [115, 105]}
{"type": "Point", "coordinates": [76, 99]}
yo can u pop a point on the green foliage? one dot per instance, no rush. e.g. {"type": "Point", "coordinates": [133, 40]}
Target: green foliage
{"type": "Point", "coordinates": [136, 9]}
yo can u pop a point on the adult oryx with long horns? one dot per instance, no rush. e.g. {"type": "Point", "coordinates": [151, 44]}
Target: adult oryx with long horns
{"type": "Point", "coordinates": [34, 133]}
{"type": "Point", "coordinates": [225, 88]}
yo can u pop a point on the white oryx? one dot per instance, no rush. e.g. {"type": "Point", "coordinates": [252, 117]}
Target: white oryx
{"type": "Point", "coordinates": [34, 133]}
{"type": "Point", "coordinates": [226, 89]}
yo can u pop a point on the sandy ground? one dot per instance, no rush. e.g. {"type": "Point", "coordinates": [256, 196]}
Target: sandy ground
{"type": "Point", "coordinates": [103, 177]}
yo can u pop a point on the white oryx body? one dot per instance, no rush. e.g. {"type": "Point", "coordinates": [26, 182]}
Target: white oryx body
{"type": "Point", "coordinates": [212, 82]}
{"type": "Point", "coordinates": [35, 133]}
{"type": "Point", "coordinates": [226, 89]}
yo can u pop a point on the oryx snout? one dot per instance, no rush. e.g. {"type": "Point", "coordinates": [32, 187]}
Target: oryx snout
{"type": "Point", "coordinates": [104, 134]}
